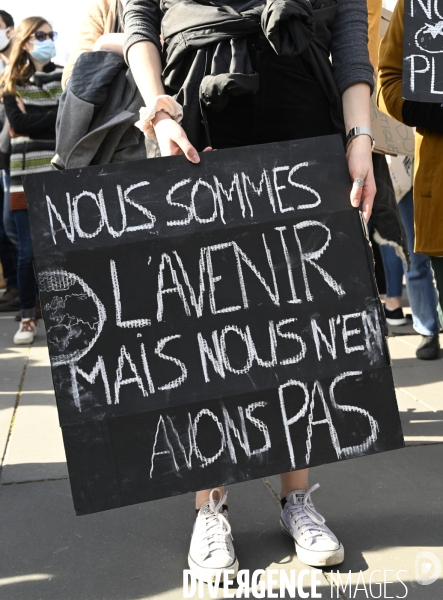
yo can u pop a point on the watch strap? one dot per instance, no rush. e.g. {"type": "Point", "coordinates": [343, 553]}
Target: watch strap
{"type": "Point", "coordinates": [356, 131]}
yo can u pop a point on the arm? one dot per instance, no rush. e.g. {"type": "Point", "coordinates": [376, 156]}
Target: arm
{"type": "Point", "coordinates": [353, 74]}
{"type": "Point", "coordinates": [141, 19]}
{"type": "Point", "coordinates": [145, 62]}
{"type": "Point", "coordinates": [25, 124]}
{"type": "Point", "coordinates": [349, 45]}
{"type": "Point", "coordinates": [142, 52]}
{"type": "Point", "coordinates": [113, 42]}
{"type": "Point", "coordinates": [356, 111]}
{"type": "Point", "coordinates": [92, 28]}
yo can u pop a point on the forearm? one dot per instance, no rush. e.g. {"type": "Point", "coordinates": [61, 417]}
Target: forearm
{"type": "Point", "coordinates": [29, 124]}
{"type": "Point", "coordinates": [113, 42]}
{"type": "Point", "coordinates": [146, 66]}
{"type": "Point", "coordinates": [145, 62]}
{"type": "Point", "coordinates": [356, 111]}
{"type": "Point", "coordinates": [356, 106]}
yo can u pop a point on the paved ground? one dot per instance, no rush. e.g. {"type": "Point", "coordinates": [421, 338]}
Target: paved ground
{"type": "Point", "coordinates": [386, 508]}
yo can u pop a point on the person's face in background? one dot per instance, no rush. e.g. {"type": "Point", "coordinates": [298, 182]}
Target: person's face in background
{"type": "Point", "coordinates": [41, 48]}
{"type": "Point", "coordinates": [30, 43]}
{"type": "Point", "coordinates": [5, 34]}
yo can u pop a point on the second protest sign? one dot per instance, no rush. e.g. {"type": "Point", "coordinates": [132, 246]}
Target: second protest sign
{"type": "Point", "coordinates": [423, 51]}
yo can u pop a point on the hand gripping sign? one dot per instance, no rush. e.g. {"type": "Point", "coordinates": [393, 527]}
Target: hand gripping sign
{"type": "Point", "coordinates": [209, 323]}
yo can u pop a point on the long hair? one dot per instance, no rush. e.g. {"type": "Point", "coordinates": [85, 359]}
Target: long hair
{"type": "Point", "coordinates": [20, 68]}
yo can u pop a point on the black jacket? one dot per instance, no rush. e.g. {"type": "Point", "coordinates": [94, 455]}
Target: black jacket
{"type": "Point", "coordinates": [5, 140]}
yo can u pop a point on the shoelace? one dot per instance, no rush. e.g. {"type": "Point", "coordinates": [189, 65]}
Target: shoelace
{"type": "Point", "coordinates": [28, 325]}
{"type": "Point", "coordinates": [217, 526]}
{"type": "Point", "coordinates": [311, 520]}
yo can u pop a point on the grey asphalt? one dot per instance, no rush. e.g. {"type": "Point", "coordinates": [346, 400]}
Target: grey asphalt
{"type": "Point", "coordinates": [386, 508]}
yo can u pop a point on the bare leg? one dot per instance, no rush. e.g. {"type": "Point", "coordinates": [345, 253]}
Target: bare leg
{"type": "Point", "coordinates": [294, 480]}
{"type": "Point", "coordinates": [203, 496]}
{"type": "Point", "coordinates": [393, 303]}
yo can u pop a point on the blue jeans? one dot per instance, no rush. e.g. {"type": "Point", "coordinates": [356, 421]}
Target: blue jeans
{"type": "Point", "coordinates": [437, 265]}
{"type": "Point", "coordinates": [8, 251]}
{"type": "Point", "coordinates": [27, 286]}
{"type": "Point", "coordinates": [8, 218]}
{"type": "Point", "coordinates": [419, 281]}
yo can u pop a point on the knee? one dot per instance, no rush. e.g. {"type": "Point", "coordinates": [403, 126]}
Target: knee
{"type": "Point", "coordinates": [420, 266]}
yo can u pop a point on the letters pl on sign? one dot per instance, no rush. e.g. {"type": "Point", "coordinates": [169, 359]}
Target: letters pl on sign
{"type": "Point", "coordinates": [423, 51]}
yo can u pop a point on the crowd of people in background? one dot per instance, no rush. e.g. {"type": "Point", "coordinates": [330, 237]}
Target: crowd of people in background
{"type": "Point", "coordinates": [31, 90]}
{"type": "Point", "coordinates": [59, 118]}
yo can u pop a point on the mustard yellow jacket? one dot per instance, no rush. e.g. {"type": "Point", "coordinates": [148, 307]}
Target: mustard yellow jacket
{"type": "Point", "coordinates": [428, 174]}
{"type": "Point", "coordinates": [374, 20]}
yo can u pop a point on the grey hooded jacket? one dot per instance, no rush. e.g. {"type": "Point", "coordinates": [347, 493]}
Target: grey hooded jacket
{"type": "Point", "coordinates": [97, 112]}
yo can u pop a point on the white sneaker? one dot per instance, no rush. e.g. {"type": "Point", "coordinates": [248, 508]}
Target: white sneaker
{"type": "Point", "coordinates": [315, 543]}
{"type": "Point", "coordinates": [212, 550]}
{"type": "Point", "coordinates": [26, 332]}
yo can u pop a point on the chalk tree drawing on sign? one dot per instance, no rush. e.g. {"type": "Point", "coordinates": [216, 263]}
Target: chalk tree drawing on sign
{"type": "Point", "coordinates": [209, 324]}
{"type": "Point", "coordinates": [423, 51]}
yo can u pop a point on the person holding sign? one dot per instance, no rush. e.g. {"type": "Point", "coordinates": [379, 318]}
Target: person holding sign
{"type": "Point", "coordinates": [428, 166]}
{"type": "Point", "coordinates": [240, 73]}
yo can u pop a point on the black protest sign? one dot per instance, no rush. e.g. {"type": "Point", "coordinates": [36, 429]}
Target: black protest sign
{"type": "Point", "coordinates": [209, 324]}
{"type": "Point", "coordinates": [423, 51]}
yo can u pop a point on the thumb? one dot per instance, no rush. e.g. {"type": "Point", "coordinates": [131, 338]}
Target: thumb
{"type": "Point", "coordinates": [356, 194]}
{"type": "Point", "coordinates": [187, 148]}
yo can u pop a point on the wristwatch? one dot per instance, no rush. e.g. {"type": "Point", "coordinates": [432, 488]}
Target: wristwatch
{"type": "Point", "coordinates": [355, 131]}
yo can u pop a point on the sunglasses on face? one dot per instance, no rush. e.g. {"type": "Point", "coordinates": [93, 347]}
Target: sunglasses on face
{"type": "Point", "coordinates": [41, 36]}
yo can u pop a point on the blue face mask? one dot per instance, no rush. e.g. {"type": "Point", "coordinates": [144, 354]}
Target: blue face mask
{"type": "Point", "coordinates": [4, 39]}
{"type": "Point", "coordinates": [43, 51]}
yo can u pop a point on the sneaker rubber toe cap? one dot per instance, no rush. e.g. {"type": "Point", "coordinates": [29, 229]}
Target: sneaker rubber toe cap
{"type": "Point", "coordinates": [217, 560]}
{"type": "Point", "coordinates": [325, 544]}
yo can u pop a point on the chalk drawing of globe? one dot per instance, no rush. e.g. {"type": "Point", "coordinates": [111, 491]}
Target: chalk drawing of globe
{"type": "Point", "coordinates": [430, 38]}
{"type": "Point", "coordinates": [75, 316]}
